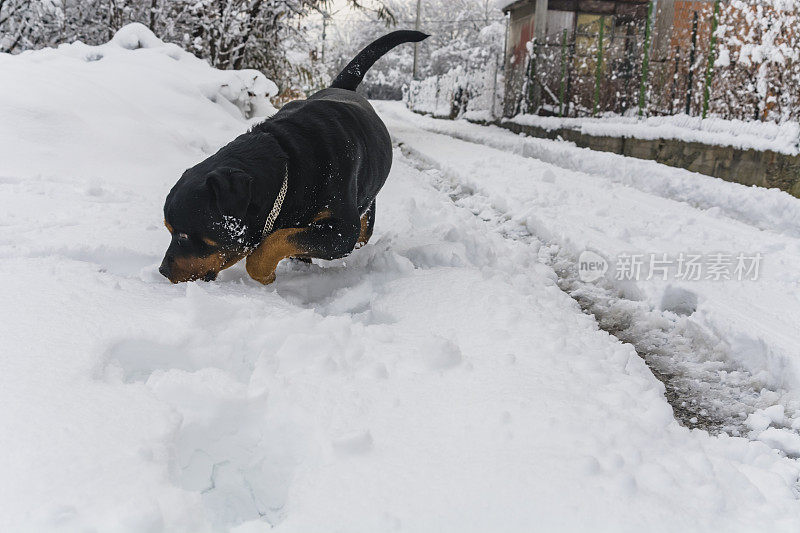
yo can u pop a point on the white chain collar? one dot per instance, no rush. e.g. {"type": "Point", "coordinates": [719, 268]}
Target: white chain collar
{"type": "Point", "coordinates": [276, 208]}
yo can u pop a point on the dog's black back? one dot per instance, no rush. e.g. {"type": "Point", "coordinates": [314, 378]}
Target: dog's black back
{"type": "Point", "coordinates": [337, 146]}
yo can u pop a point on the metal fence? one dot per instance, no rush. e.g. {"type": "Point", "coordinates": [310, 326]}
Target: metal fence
{"type": "Point", "coordinates": [592, 66]}
{"type": "Point", "coordinates": [705, 64]}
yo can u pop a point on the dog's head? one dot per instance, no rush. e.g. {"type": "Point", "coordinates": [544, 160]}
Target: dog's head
{"type": "Point", "coordinates": [205, 212]}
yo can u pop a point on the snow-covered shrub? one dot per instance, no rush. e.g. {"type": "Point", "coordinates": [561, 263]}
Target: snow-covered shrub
{"type": "Point", "coordinates": [422, 96]}
{"type": "Point", "coordinates": [757, 69]}
{"type": "Point", "coordinates": [484, 93]}
{"type": "Point", "coordinates": [476, 94]}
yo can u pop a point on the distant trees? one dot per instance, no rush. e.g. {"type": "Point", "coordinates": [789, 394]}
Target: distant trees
{"type": "Point", "coordinates": [230, 34]}
{"type": "Point", "coordinates": [464, 33]}
{"type": "Point", "coordinates": [24, 22]}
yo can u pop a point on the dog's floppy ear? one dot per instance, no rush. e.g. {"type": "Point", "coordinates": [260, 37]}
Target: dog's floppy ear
{"type": "Point", "coordinates": [230, 191]}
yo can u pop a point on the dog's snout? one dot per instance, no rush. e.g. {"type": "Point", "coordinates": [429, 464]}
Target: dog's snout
{"type": "Point", "coordinates": [166, 266]}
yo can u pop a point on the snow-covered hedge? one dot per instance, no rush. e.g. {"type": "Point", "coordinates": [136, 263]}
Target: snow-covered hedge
{"type": "Point", "coordinates": [757, 69]}
{"type": "Point", "coordinates": [477, 95]}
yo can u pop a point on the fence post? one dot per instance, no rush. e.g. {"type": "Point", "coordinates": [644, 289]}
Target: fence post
{"type": "Point", "coordinates": [540, 44]}
{"type": "Point", "coordinates": [645, 59]}
{"type": "Point", "coordinates": [598, 75]}
{"type": "Point", "coordinates": [530, 97]}
{"type": "Point", "coordinates": [711, 58]}
{"type": "Point", "coordinates": [563, 74]}
{"type": "Point", "coordinates": [690, 83]}
{"type": "Point", "coordinates": [494, 87]}
{"type": "Point", "coordinates": [673, 95]}
{"type": "Point", "coordinates": [436, 99]}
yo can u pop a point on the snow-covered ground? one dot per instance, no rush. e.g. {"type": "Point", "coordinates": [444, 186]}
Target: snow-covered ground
{"type": "Point", "coordinates": [441, 378]}
{"type": "Point", "coordinates": [623, 208]}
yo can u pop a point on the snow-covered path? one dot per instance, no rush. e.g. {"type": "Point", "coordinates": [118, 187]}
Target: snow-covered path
{"type": "Point", "coordinates": [624, 207]}
{"type": "Point", "coordinates": [438, 379]}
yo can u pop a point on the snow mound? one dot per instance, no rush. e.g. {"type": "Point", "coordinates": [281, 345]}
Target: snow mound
{"type": "Point", "coordinates": [135, 36]}
{"type": "Point", "coordinates": [121, 99]}
{"type": "Point", "coordinates": [248, 90]}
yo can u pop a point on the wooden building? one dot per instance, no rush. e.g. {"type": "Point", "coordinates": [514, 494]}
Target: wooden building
{"type": "Point", "coordinates": [588, 57]}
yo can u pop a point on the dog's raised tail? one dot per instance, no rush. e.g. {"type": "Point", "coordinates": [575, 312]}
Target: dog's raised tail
{"type": "Point", "coordinates": [353, 73]}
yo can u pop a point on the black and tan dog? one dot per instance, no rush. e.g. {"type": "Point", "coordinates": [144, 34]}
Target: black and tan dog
{"type": "Point", "coordinates": [300, 184]}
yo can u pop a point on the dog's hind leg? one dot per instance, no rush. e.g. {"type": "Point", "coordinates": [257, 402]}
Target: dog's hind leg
{"type": "Point", "coordinates": [367, 225]}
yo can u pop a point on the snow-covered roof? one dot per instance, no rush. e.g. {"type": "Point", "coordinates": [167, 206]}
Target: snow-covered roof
{"type": "Point", "coordinates": [506, 6]}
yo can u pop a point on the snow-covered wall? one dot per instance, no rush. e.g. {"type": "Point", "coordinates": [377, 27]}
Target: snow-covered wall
{"type": "Point", "coordinates": [746, 135]}
{"type": "Point", "coordinates": [477, 95]}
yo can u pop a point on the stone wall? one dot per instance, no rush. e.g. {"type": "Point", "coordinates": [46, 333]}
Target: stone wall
{"type": "Point", "coordinates": [748, 167]}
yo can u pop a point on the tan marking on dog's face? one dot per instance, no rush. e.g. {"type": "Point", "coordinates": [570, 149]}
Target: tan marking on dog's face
{"type": "Point", "coordinates": [278, 245]}
{"type": "Point", "coordinates": [210, 242]}
{"type": "Point", "coordinates": [194, 268]}
{"type": "Point", "coordinates": [169, 228]}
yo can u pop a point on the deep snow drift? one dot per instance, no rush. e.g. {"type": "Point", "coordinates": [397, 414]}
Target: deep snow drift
{"type": "Point", "coordinates": [438, 379]}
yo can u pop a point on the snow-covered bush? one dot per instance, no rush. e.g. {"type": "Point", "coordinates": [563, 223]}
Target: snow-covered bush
{"type": "Point", "coordinates": [476, 94]}
{"type": "Point", "coordinates": [757, 69]}
{"type": "Point", "coordinates": [440, 96]}
{"type": "Point", "coordinates": [465, 77]}
{"type": "Point", "coordinates": [422, 96]}
{"type": "Point", "coordinates": [756, 64]}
